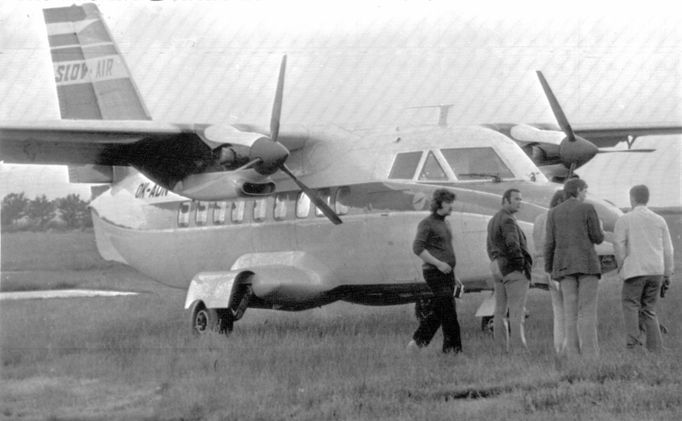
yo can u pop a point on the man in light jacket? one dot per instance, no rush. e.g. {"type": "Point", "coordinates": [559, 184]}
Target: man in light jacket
{"type": "Point", "coordinates": [644, 252]}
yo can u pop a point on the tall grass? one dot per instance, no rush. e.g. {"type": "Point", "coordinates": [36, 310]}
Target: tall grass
{"type": "Point", "coordinates": [341, 362]}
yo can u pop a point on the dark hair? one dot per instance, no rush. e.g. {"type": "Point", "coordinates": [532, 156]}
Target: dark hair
{"type": "Point", "coordinates": [557, 199]}
{"type": "Point", "coordinates": [572, 186]}
{"type": "Point", "coordinates": [507, 195]}
{"type": "Point", "coordinates": [640, 194]}
{"type": "Point", "coordinates": [440, 196]}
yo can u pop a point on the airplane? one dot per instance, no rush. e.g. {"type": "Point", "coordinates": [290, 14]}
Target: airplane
{"type": "Point", "coordinates": [280, 217]}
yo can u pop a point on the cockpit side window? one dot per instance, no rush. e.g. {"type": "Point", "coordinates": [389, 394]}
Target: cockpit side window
{"type": "Point", "coordinates": [432, 169]}
{"type": "Point", "coordinates": [476, 163]}
{"type": "Point", "coordinates": [405, 165]}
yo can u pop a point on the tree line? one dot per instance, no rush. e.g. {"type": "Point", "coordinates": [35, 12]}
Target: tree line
{"type": "Point", "coordinates": [19, 213]}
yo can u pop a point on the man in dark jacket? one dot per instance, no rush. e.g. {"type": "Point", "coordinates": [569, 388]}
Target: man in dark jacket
{"type": "Point", "coordinates": [573, 228]}
{"type": "Point", "coordinates": [433, 244]}
{"type": "Point", "coordinates": [511, 265]}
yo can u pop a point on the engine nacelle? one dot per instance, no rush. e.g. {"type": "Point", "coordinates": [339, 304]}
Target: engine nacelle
{"type": "Point", "coordinates": [223, 185]}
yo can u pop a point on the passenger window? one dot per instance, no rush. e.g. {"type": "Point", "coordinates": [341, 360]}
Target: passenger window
{"type": "Point", "coordinates": [432, 169]}
{"type": "Point", "coordinates": [202, 213]}
{"type": "Point", "coordinates": [183, 214]}
{"type": "Point", "coordinates": [326, 198]}
{"type": "Point", "coordinates": [476, 163]}
{"type": "Point", "coordinates": [302, 205]}
{"type": "Point", "coordinates": [238, 211]}
{"type": "Point", "coordinates": [405, 165]}
{"type": "Point", "coordinates": [340, 200]}
{"type": "Point", "coordinates": [219, 211]}
{"type": "Point", "coordinates": [280, 209]}
{"type": "Point", "coordinates": [259, 210]}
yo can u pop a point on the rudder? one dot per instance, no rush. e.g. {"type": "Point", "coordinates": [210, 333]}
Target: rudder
{"type": "Point", "coordinates": [93, 80]}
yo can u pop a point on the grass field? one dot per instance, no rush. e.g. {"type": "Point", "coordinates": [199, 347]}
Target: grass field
{"type": "Point", "coordinates": [131, 358]}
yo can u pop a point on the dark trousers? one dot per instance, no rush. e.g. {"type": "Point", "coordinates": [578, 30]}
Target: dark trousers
{"type": "Point", "coordinates": [442, 311]}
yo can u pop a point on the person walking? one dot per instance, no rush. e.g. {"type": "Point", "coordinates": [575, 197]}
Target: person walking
{"type": "Point", "coordinates": [573, 228]}
{"type": "Point", "coordinates": [508, 253]}
{"type": "Point", "coordinates": [433, 244]}
{"type": "Point", "coordinates": [539, 231]}
{"type": "Point", "coordinates": [644, 253]}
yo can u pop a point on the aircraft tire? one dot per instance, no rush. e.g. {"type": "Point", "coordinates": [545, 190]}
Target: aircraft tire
{"type": "Point", "coordinates": [206, 320]}
{"type": "Point", "coordinates": [487, 324]}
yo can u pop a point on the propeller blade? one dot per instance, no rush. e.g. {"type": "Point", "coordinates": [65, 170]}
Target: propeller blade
{"type": "Point", "coordinates": [556, 108]}
{"type": "Point", "coordinates": [277, 104]}
{"type": "Point", "coordinates": [326, 210]}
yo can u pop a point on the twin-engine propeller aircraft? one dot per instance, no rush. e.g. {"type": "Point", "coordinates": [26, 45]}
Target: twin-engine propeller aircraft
{"type": "Point", "coordinates": [242, 214]}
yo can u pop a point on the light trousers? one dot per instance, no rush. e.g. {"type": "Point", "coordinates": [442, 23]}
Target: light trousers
{"type": "Point", "coordinates": [558, 313]}
{"type": "Point", "coordinates": [510, 294]}
{"type": "Point", "coordinates": [580, 293]}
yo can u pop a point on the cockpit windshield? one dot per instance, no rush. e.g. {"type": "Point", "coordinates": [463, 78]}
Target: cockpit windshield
{"type": "Point", "coordinates": [476, 163]}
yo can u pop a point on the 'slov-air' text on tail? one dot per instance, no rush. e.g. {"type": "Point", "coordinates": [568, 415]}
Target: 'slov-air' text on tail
{"type": "Point", "coordinates": [93, 80]}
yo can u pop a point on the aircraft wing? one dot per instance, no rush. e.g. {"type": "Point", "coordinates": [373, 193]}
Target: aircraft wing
{"type": "Point", "coordinates": [601, 135]}
{"type": "Point", "coordinates": [607, 136]}
{"type": "Point", "coordinates": [165, 152]}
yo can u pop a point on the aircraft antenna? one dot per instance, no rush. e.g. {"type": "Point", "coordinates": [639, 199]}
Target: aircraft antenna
{"type": "Point", "coordinates": [443, 112]}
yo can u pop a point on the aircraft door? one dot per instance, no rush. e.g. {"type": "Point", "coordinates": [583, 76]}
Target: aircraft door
{"type": "Point", "coordinates": [392, 223]}
{"type": "Point", "coordinates": [469, 232]}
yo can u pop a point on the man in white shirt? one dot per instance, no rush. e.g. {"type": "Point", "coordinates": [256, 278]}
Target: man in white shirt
{"type": "Point", "coordinates": [644, 252]}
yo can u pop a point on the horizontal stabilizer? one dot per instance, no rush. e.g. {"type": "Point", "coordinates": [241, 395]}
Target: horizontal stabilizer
{"type": "Point", "coordinates": [91, 174]}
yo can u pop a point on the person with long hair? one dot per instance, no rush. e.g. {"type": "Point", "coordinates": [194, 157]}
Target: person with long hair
{"type": "Point", "coordinates": [539, 230]}
{"type": "Point", "coordinates": [433, 244]}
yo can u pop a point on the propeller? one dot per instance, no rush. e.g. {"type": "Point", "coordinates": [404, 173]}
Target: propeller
{"type": "Point", "coordinates": [574, 150]}
{"type": "Point", "coordinates": [267, 155]}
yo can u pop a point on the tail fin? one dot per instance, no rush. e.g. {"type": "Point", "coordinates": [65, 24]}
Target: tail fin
{"type": "Point", "coordinates": [93, 81]}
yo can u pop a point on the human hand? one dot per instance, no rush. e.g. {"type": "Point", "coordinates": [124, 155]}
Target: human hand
{"type": "Point", "coordinates": [444, 267]}
{"type": "Point", "coordinates": [665, 286]}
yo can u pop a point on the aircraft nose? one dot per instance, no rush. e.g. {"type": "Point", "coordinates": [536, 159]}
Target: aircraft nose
{"type": "Point", "coordinates": [579, 151]}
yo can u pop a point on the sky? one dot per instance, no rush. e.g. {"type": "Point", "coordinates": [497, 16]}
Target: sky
{"type": "Point", "coordinates": [364, 64]}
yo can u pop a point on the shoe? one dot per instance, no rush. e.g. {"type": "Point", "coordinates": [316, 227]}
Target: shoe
{"type": "Point", "coordinates": [412, 347]}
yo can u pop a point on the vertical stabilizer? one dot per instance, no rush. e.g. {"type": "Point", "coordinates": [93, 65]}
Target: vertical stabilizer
{"type": "Point", "coordinates": [93, 81]}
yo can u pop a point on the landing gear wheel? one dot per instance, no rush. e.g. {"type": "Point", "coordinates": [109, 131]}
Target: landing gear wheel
{"type": "Point", "coordinates": [205, 320]}
{"type": "Point", "coordinates": [487, 324]}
